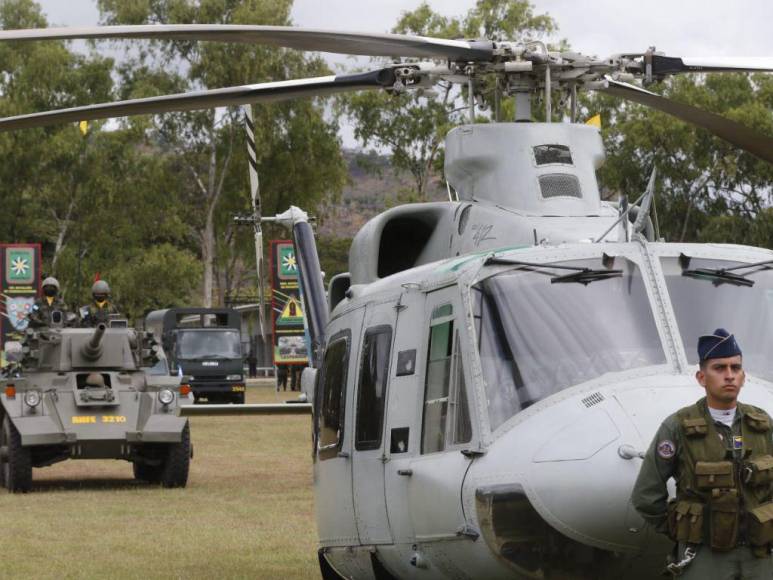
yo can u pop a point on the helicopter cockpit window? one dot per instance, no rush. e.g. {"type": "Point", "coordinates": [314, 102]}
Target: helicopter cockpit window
{"type": "Point", "coordinates": [537, 338]}
{"type": "Point", "coordinates": [552, 154]}
{"type": "Point", "coordinates": [332, 397]}
{"type": "Point", "coordinates": [372, 388]}
{"type": "Point", "coordinates": [738, 296]}
{"type": "Point", "coordinates": [446, 412]}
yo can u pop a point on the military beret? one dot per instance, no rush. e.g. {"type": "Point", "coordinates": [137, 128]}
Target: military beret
{"type": "Point", "coordinates": [721, 344]}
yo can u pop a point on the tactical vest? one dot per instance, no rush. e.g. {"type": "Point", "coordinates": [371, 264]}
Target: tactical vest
{"type": "Point", "coordinates": [723, 497]}
{"type": "Point", "coordinates": [95, 314]}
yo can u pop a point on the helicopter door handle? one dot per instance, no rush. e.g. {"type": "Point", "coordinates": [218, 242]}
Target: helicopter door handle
{"type": "Point", "coordinates": [405, 472]}
{"type": "Point", "coordinates": [629, 452]}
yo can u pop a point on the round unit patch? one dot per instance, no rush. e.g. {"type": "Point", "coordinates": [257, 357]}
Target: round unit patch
{"type": "Point", "coordinates": [666, 449]}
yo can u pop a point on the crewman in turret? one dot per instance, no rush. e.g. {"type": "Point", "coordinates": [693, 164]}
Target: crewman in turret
{"type": "Point", "coordinates": [720, 454]}
{"type": "Point", "coordinates": [49, 310]}
{"type": "Point", "coordinates": [101, 308]}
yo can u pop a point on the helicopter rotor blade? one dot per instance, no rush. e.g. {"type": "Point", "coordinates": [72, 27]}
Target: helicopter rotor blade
{"type": "Point", "coordinates": [356, 43]}
{"type": "Point", "coordinates": [747, 139]}
{"type": "Point", "coordinates": [665, 65]}
{"type": "Point", "coordinates": [230, 96]}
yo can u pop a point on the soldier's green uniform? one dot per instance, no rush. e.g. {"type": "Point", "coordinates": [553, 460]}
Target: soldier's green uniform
{"type": "Point", "coordinates": [722, 516]}
{"type": "Point", "coordinates": [93, 314]}
{"type": "Point", "coordinates": [99, 311]}
{"type": "Point", "coordinates": [42, 312]}
{"type": "Point", "coordinates": [700, 453]}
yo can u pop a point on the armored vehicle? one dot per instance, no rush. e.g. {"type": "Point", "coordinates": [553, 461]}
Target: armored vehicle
{"type": "Point", "coordinates": [77, 393]}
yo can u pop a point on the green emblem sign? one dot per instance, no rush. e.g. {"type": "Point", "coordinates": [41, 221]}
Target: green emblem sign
{"type": "Point", "coordinates": [288, 267]}
{"type": "Point", "coordinates": [20, 265]}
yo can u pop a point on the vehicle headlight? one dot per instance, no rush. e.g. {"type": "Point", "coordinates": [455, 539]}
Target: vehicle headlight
{"type": "Point", "coordinates": [165, 396]}
{"type": "Point", "coordinates": [233, 378]}
{"type": "Point", "coordinates": [32, 398]}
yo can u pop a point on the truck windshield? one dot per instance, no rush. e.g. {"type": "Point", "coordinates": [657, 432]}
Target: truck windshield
{"type": "Point", "coordinates": [703, 304]}
{"type": "Point", "coordinates": [536, 337]}
{"type": "Point", "coordinates": [197, 344]}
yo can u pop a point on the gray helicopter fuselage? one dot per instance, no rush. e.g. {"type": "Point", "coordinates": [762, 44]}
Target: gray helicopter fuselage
{"type": "Point", "coordinates": [435, 457]}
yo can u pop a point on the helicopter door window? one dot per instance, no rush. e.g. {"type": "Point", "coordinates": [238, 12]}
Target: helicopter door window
{"type": "Point", "coordinates": [372, 388]}
{"type": "Point", "coordinates": [462, 429]}
{"type": "Point", "coordinates": [332, 396]}
{"type": "Point", "coordinates": [437, 382]}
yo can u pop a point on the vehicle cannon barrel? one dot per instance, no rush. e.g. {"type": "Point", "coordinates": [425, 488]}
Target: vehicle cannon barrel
{"type": "Point", "coordinates": [92, 350]}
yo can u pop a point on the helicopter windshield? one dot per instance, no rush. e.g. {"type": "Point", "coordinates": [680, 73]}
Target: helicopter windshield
{"type": "Point", "coordinates": [537, 338]}
{"type": "Point", "coordinates": [703, 304]}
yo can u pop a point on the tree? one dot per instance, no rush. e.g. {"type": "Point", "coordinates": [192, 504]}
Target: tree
{"type": "Point", "coordinates": [300, 156]}
{"type": "Point", "coordinates": [43, 168]}
{"type": "Point", "coordinates": [97, 202]}
{"type": "Point", "coordinates": [708, 190]}
{"type": "Point", "coordinates": [412, 126]}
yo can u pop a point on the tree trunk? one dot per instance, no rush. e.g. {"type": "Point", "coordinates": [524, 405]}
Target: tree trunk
{"type": "Point", "coordinates": [64, 226]}
{"type": "Point", "coordinates": [208, 257]}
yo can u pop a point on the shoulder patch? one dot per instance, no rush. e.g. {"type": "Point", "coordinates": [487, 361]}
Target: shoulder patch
{"type": "Point", "coordinates": [666, 449]}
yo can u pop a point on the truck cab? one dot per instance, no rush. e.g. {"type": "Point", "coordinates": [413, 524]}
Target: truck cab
{"type": "Point", "coordinates": [205, 345]}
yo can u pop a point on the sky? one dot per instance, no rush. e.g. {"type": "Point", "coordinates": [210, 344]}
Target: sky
{"type": "Point", "coordinates": [697, 28]}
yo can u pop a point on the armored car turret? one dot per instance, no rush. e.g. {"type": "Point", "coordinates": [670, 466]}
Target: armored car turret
{"type": "Point", "coordinates": [96, 393]}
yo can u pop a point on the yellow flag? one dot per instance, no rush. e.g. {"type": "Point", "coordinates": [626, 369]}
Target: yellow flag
{"type": "Point", "coordinates": [594, 121]}
{"type": "Point", "coordinates": [84, 127]}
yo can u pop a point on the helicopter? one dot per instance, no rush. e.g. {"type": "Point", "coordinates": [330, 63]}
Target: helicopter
{"type": "Point", "coordinates": [486, 377]}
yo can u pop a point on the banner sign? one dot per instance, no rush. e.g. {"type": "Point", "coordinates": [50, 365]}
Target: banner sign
{"type": "Point", "coordinates": [20, 287]}
{"type": "Point", "coordinates": [286, 306]}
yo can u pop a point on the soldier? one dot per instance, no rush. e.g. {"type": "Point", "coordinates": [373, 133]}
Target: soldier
{"type": "Point", "coordinates": [720, 453]}
{"type": "Point", "coordinates": [44, 311]}
{"type": "Point", "coordinates": [100, 310]}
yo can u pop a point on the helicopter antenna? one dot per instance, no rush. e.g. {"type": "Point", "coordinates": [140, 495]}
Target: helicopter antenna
{"type": "Point", "coordinates": [623, 215]}
{"type": "Point", "coordinates": [646, 204]}
{"type": "Point", "coordinates": [471, 93]}
{"type": "Point", "coordinates": [548, 99]}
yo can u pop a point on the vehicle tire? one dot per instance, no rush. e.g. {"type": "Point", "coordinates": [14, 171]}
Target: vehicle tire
{"type": "Point", "coordinates": [174, 472]}
{"type": "Point", "coordinates": [238, 398]}
{"type": "Point", "coordinates": [145, 472]}
{"type": "Point", "coordinates": [16, 467]}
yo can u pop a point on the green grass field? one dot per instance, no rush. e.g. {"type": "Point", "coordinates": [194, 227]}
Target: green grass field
{"type": "Point", "coordinates": [247, 511]}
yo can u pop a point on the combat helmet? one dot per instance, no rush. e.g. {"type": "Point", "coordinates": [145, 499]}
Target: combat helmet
{"type": "Point", "coordinates": [100, 288]}
{"type": "Point", "coordinates": [51, 282]}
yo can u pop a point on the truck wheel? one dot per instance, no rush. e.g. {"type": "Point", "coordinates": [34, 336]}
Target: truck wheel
{"type": "Point", "coordinates": [175, 468]}
{"type": "Point", "coordinates": [145, 472]}
{"type": "Point", "coordinates": [238, 399]}
{"type": "Point", "coordinates": [15, 461]}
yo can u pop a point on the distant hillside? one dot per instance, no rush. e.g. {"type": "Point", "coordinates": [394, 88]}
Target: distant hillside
{"type": "Point", "coordinates": [373, 186]}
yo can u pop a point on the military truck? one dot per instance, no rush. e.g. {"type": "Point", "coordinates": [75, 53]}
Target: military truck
{"type": "Point", "coordinates": [204, 344]}
{"type": "Point", "coordinates": [77, 393]}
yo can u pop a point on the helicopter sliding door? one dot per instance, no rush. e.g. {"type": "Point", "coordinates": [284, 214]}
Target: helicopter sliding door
{"type": "Point", "coordinates": [370, 405]}
{"type": "Point", "coordinates": [424, 480]}
{"type": "Point", "coordinates": [333, 412]}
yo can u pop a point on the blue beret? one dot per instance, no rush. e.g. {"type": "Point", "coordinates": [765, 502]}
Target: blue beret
{"type": "Point", "coordinates": [721, 344]}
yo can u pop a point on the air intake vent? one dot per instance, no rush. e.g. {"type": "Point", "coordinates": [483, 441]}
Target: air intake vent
{"type": "Point", "coordinates": [559, 185]}
{"type": "Point", "coordinates": [593, 399]}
